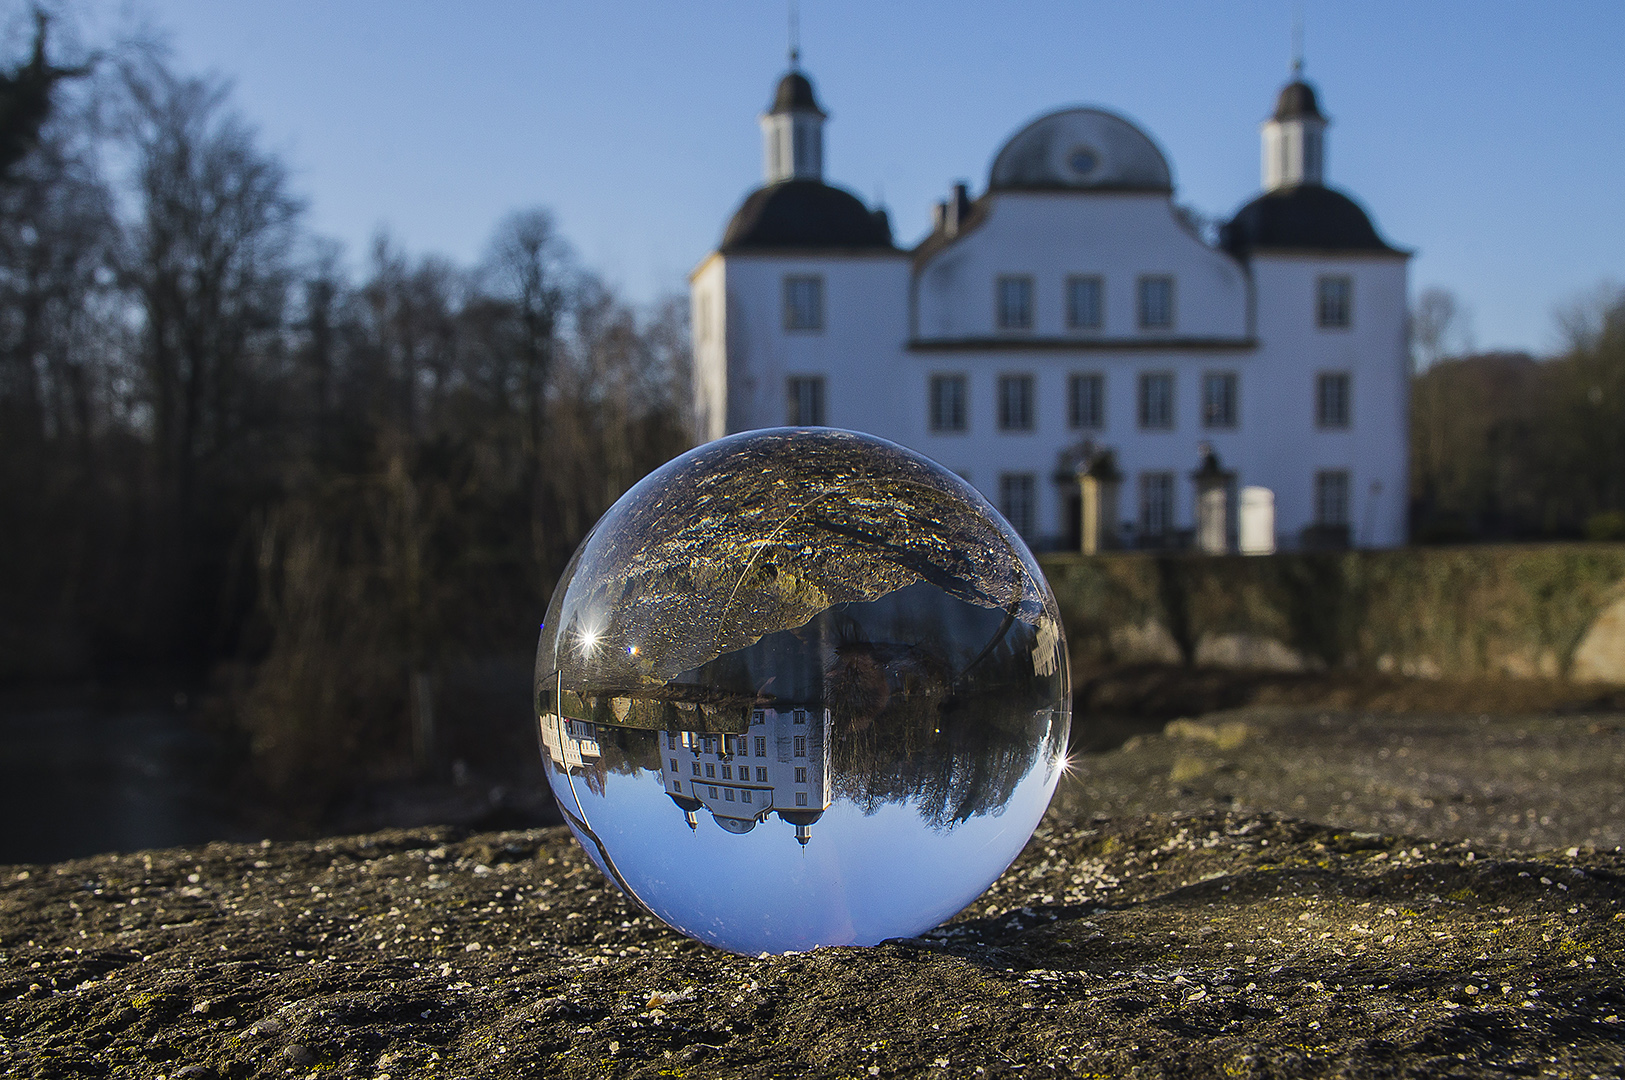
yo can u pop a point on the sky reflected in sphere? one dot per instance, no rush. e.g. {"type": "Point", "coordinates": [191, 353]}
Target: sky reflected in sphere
{"type": "Point", "coordinates": [801, 688]}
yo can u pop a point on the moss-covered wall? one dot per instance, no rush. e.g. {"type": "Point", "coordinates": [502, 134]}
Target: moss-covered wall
{"type": "Point", "coordinates": [1525, 610]}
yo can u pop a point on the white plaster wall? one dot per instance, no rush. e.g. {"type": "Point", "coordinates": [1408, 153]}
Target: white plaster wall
{"type": "Point", "coordinates": [1050, 236]}
{"type": "Point", "coordinates": [1285, 448]}
{"type": "Point", "coordinates": [708, 325]}
{"type": "Point", "coordinates": [859, 351]}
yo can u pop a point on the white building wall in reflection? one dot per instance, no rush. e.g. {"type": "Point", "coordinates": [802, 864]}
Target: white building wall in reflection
{"type": "Point", "coordinates": [781, 766]}
{"type": "Point", "coordinates": [571, 745]}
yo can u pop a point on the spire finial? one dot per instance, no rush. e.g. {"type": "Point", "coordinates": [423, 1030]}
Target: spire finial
{"type": "Point", "coordinates": [795, 35]}
{"type": "Point", "coordinates": [1297, 41]}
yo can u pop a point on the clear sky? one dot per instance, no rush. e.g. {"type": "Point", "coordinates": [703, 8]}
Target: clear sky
{"type": "Point", "coordinates": [1488, 136]}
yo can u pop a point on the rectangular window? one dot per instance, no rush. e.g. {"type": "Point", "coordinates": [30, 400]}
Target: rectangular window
{"type": "Point", "coordinates": [1083, 307]}
{"type": "Point", "coordinates": [761, 775]}
{"type": "Point", "coordinates": [1156, 303]}
{"type": "Point", "coordinates": [1332, 497]}
{"type": "Point", "coordinates": [1156, 503]}
{"type": "Point", "coordinates": [1219, 399]}
{"type": "Point", "coordinates": [727, 772]}
{"type": "Point", "coordinates": [804, 302]}
{"type": "Point", "coordinates": [801, 798]}
{"type": "Point", "coordinates": [806, 401]}
{"type": "Point", "coordinates": [948, 403]}
{"type": "Point", "coordinates": [1157, 401]}
{"type": "Point", "coordinates": [800, 716]}
{"type": "Point", "coordinates": [674, 767]}
{"type": "Point", "coordinates": [744, 795]}
{"type": "Point", "coordinates": [710, 771]}
{"type": "Point", "coordinates": [1015, 402]}
{"type": "Point", "coordinates": [801, 746]}
{"type": "Point", "coordinates": [1086, 401]}
{"type": "Point", "coordinates": [1332, 399]}
{"type": "Point", "coordinates": [1018, 493]}
{"type": "Point", "coordinates": [1334, 302]}
{"type": "Point", "coordinates": [756, 717]}
{"type": "Point", "coordinates": [761, 746]}
{"type": "Point", "coordinates": [712, 790]}
{"type": "Point", "coordinates": [728, 793]}
{"type": "Point", "coordinates": [1014, 302]}
{"type": "Point", "coordinates": [801, 775]}
{"type": "Point", "coordinates": [696, 768]}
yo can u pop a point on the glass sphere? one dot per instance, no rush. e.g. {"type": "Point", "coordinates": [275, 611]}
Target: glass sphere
{"type": "Point", "coordinates": [801, 688]}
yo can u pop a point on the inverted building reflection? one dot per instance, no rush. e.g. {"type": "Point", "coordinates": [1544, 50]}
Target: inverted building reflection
{"type": "Point", "coordinates": [780, 767]}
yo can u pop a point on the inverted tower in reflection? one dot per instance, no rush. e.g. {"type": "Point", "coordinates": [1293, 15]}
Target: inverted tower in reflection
{"type": "Point", "coordinates": [780, 767]}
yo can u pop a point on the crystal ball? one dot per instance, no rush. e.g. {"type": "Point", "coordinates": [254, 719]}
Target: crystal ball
{"type": "Point", "coordinates": [802, 687]}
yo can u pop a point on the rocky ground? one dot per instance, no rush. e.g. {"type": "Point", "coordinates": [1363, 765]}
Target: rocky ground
{"type": "Point", "coordinates": [1166, 920]}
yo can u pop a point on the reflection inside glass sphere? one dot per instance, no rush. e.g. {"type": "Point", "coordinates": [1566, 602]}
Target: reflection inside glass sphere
{"type": "Point", "coordinates": [800, 688]}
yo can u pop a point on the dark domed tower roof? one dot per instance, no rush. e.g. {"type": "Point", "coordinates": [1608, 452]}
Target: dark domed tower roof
{"type": "Point", "coordinates": [1297, 101]}
{"type": "Point", "coordinates": [805, 214]}
{"type": "Point", "coordinates": [1306, 217]}
{"type": "Point", "coordinates": [795, 94]}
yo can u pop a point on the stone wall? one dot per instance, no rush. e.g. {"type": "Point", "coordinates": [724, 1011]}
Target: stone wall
{"type": "Point", "coordinates": [1538, 610]}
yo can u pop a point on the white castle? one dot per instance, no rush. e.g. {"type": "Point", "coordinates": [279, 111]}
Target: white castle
{"type": "Point", "coordinates": [780, 767]}
{"type": "Point", "coordinates": [1069, 310]}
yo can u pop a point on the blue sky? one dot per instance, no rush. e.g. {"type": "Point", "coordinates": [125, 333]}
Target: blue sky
{"type": "Point", "coordinates": [1487, 136]}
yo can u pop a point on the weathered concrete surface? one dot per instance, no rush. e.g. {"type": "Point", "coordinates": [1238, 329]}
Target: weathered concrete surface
{"type": "Point", "coordinates": [1199, 943]}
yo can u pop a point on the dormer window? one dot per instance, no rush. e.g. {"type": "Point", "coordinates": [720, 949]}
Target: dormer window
{"type": "Point", "coordinates": [1014, 302]}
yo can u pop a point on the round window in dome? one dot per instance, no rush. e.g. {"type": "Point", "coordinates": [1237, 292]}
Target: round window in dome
{"type": "Point", "coordinates": [1083, 160]}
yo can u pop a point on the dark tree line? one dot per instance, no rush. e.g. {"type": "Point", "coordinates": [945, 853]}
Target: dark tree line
{"type": "Point", "coordinates": [222, 451]}
{"type": "Point", "coordinates": [1504, 446]}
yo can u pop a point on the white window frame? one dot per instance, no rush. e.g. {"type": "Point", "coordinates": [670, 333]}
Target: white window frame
{"type": "Point", "coordinates": [1017, 406]}
{"type": "Point", "coordinates": [806, 401]}
{"type": "Point", "coordinates": [1008, 315]}
{"type": "Point", "coordinates": [1076, 285]}
{"type": "Point", "coordinates": [804, 314]}
{"type": "Point", "coordinates": [1159, 420]}
{"type": "Point", "coordinates": [1018, 501]}
{"type": "Point", "coordinates": [1090, 414]}
{"type": "Point", "coordinates": [1334, 410]}
{"type": "Point", "coordinates": [1144, 312]}
{"type": "Point", "coordinates": [1334, 312]}
{"type": "Point", "coordinates": [1221, 411]}
{"type": "Point", "coordinates": [949, 404]}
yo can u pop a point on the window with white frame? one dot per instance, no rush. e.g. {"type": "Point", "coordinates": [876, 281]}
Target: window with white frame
{"type": "Point", "coordinates": [803, 302]}
{"type": "Point", "coordinates": [1015, 402]}
{"type": "Point", "coordinates": [1013, 302]}
{"type": "Point", "coordinates": [1156, 302]}
{"type": "Point", "coordinates": [1219, 399]}
{"type": "Point", "coordinates": [1334, 302]}
{"type": "Point", "coordinates": [1086, 401]}
{"type": "Point", "coordinates": [1332, 399]}
{"type": "Point", "coordinates": [1157, 401]}
{"type": "Point", "coordinates": [948, 403]}
{"type": "Point", "coordinates": [805, 394]}
{"type": "Point", "coordinates": [1018, 494]}
{"type": "Point", "coordinates": [1084, 310]}
{"type": "Point", "coordinates": [1156, 504]}
{"type": "Point", "coordinates": [1332, 497]}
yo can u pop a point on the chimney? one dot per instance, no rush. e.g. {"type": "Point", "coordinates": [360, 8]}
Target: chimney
{"type": "Point", "coordinates": [955, 210]}
{"type": "Point", "coordinates": [939, 217]}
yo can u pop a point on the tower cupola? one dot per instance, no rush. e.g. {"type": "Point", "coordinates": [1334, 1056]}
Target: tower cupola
{"type": "Point", "coordinates": [793, 131]}
{"type": "Point", "coordinates": [1294, 138]}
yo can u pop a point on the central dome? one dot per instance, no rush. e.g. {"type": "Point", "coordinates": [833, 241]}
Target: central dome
{"type": "Point", "coordinates": [1080, 150]}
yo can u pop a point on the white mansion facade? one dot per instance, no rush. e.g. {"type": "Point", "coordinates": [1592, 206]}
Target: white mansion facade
{"type": "Point", "coordinates": [1070, 311]}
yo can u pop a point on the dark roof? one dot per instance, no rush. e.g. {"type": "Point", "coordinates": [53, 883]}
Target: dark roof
{"type": "Point", "coordinates": [795, 93]}
{"type": "Point", "coordinates": [1297, 100]}
{"type": "Point", "coordinates": [805, 214]}
{"type": "Point", "coordinates": [1303, 217]}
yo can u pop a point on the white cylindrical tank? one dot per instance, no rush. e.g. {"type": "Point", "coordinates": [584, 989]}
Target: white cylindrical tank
{"type": "Point", "coordinates": [1257, 532]}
